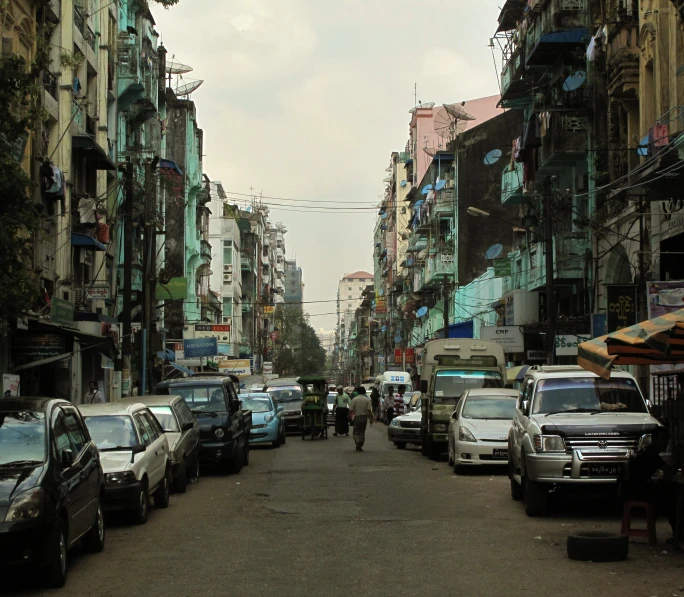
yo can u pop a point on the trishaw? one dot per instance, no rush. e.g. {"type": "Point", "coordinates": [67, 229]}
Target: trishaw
{"type": "Point", "coordinates": [314, 407]}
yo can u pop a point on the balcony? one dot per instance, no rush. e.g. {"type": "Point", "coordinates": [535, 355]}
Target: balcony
{"type": "Point", "coordinates": [564, 144]}
{"type": "Point", "coordinates": [51, 95]}
{"type": "Point", "coordinates": [437, 267]}
{"type": "Point", "coordinates": [79, 28]}
{"type": "Point", "coordinates": [512, 185]}
{"type": "Point", "coordinates": [561, 28]}
{"type": "Point", "coordinates": [205, 249]}
{"type": "Point", "coordinates": [265, 261]}
{"type": "Point", "coordinates": [246, 263]}
{"type": "Point", "coordinates": [516, 88]}
{"type": "Point", "coordinates": [623, 64]}
{"type": "Point", "coordinates": [137, 84]}
{"type": "Point", "coordinates": [445, 203]}
{"type": "Point", "coordinates": [90, 48]}
{"type": "Point", "coordinates": [78, 118]}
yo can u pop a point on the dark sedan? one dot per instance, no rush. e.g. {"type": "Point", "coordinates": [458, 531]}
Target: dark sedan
{"type": "Point", "coordinates": [51, 485]}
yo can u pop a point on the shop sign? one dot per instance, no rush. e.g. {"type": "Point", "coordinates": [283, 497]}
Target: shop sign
{"type": "Point", "coordinates": [239, 367]}
{"type": "Point", "coordinates": [35, 347]}
{"type": "Point", "coordinates": [61, 311]}
{"type": "Point", "coordinates": [269, 310]}
{"type": "Point", "coordinates": [98, 293]}
{"type": "Point", "coordinates": [200, 347]}
{"type": "Point", "coordinates": [268, 368]}
{"type": "Point", "coordinates": [536, 355]}
{"type": "Point", "coordinates": [381, 305]}
{"type": "Point", "coordinates": [175, 289]}
{"type": "Point", "coordinates": [502, 268]}
{"type": "Point", "coordinates": [510, 337]}
{"type": "Point", "coordinates": [218, 331]}
{"type": "Point", "coordinates": [672, 217]}
{"type": "Point", "coordinates": [405, 355]}
{"type": "Point", "coordinates": [566, 345]}
{"type": "Point", "coordinates": [10, 385]}
{"type": "Point", "coordinates": [180, 357]}
{"type": "Point", "coordinates": [621, 306]}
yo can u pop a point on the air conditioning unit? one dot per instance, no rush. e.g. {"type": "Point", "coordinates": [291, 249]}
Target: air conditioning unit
{"type": "Point", "coordinates": [78, 295]}
{"type": "Point", "coordinates": [228, 269]}
{"type": "Point", "coordinates": [227, 278]}
{"type": "Point", "coordinates": [227, 320]}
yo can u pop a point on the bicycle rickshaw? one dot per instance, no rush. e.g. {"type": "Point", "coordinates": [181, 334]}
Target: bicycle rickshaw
{"type": "Point", "coordinates": [314, 407]}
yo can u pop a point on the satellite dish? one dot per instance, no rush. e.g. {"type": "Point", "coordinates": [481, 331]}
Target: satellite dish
{"type": "Point", "coordinates": [493, 157]}
{"type": "Point", "coordinates": [183, 90]}
{"type": "Point", "coordinates": [426, 189]}
{"type": "Point", "coordinates": [440, 185]}
{"type": "Point", "coordinates": [397, 338]}
{"type": "Point", "coordinates": [387, 179]}
{"type": "Point", "coordinates": [402, 183]}
{"type": "Point", "coordinates": [427, 105]}
{"type": "Point", "coordinates": [494, 251]}
{"type": "Point", "coordinates": [457, 112]}
{"type": "Point", "coordinates": [422, 312]}
{"type": "Point", "coordinates": [176, 68]}
{"type": "Point", "coordinates": [575, 81]}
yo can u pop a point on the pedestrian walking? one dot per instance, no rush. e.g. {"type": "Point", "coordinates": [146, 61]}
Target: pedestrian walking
{"type": "Point", "coordinates": [93, 396]}
{"type": "Point", "coordinates": [389, 404]}
{"type": "Point", "coordinates": [342, 404]}
{"type": "Point", "coordinates": [375, 403]}
{"type": "Point", "coordinates": [399, 401]}
{"type": "Point", "coordinates": [363, 414]}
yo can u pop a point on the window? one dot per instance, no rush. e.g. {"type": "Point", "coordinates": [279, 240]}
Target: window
{"type": "Point", "coordinates": [62, 440]}
{"type": "Point", "coordinates": [227, 252]}
{"type": "Point", "coordinates": [155, 428]}
{"type": "Point", "coordinates": [227, 307]}
{"type": "Point", "coordinates": [349, 289]}
{"type": "Point", "coordinates": [349, 297]}
{"type": "Point", "coordinates": [76, 432]}
{"type": "Point", "coordinates": [182, 412]}
{"type": "Point", "coordinates": [143, 430]}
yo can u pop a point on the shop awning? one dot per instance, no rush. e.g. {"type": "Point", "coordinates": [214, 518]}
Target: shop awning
{"type": "Point", "coordinates": [183, 370]}
{"type": "Point", "coordinates": [86, 242]}
{"type": "Point", "coordinates": [94, 154]}
{"type": "Point", "coordinates": [658, 341]}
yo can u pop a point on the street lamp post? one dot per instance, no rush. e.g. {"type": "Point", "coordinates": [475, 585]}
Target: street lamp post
{"type": "Point", "coordinates": [548, 250]}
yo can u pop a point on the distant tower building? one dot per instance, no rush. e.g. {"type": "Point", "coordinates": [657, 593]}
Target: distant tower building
{"type": "Point", "coordinates": [294, 286]}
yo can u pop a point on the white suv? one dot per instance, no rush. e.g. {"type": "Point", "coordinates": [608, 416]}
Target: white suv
{"type": "Point", "coordinates": [134, 452]}
{"type": "Point", "coordinates": [572, 427]}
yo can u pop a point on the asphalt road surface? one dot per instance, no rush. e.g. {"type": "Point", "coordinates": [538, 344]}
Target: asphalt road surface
{"type": "Point", "coordinates": [319, 518]}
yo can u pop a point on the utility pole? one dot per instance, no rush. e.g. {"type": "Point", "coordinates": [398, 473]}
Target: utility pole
{"type": "Point", "coordinates": [149, 314]}
{"type": "Point", "coordinates": [447, 295]}
{"type": "Point", "coordinates": [548, 251]}
{"type": "Point", "coordinates": [127, 283]}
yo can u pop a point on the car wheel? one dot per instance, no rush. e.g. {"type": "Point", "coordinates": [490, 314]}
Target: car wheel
{"type": "Point", "coordinates": [161, 496]}
{"type": "Point", "coordinates": [451, 458]}
{"type": "Point", "coordinates": [180, 483]}
{"type": "Point", "coordinates": [401, 445]}
{"type": "Point", "coordinates": [56, 568]}
{"type": "Point", "coordinates": [516, 488]}
{"type": "Point", "coordinates": [536, 498]}
{"type": "Point", "coordinates": [597, 546]}
{"type": "Point", "coordinates": [94, 540]}
{"type": "Point", "coordinates": [194, 474]}
{"type": "Point", "coordinates": [142, 510]}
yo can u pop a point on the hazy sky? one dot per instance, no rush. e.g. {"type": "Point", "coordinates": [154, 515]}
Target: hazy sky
{"type": "Point", "coordinates": [306, 99]}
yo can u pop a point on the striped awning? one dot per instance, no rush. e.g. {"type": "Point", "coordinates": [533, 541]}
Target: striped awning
{"type": "Point", "coordinates": [658, 341]}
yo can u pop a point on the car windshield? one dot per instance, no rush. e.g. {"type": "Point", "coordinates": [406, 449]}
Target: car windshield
{"type": "Point", "coordinates": [22, 438]}
{"type": "Point", "coordinates": [331, 398]}
{"type": "Point", "coordinates": [449, 385]}
{"type": "Point", "coordinates": [286, 394]}
{"type": "Point", "coordinates": [208, 399]}
{"type": "Point", "coordinates": [489, 407]}
{"type": "Point", "coordinates": [588, 394]}
{"type": "Point", "coordinates": [111, 433]}
{"type": "Point", "coordinates": [165, 417]}
{"type": "Point", "coordinates": [257, 405]}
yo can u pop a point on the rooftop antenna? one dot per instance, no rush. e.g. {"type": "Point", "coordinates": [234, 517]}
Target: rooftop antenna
{"type": "Point", "coordinates": [415, 94]}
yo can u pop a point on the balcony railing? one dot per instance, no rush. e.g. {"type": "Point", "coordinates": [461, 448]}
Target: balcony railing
{"type": "Point", "coordinates": [561, 27]}
{"type": "Point", "coordinates": [564, 143]}
{"type": "Point", "coordinates": [437, 267]}
{"type": "Point", "coordinates": [50, 94]}
{"type": "Point", "coordinates": [512, 185]}
{"type": "Point", "coordinates": [205, 249]}
{"type": "Point", "coordinates": [77, 116]}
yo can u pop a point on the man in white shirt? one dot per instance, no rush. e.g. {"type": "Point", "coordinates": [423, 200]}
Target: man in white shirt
{"type": "Point", "coordinates": [94, 396]}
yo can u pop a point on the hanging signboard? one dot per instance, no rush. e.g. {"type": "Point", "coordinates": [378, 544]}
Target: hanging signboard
{"type": "Point", "coordinates": [219, 331]}
{"type": "Point", "coordinates": [269, 310]}
{"type": "Point", "coordinates": [28, 348]}
{"type": "Point", "coordinates": [502, 267]}
{"type": "Point", "coordinates": [381, 305]}
{"type": "Point", "coordinates": [10, 385]}
{"type": "Point", "coordinates": [622, 302]}
{"type": "Point", "coordinates": [200, 347]}
{"type": "Point", "coordinates": [98, 293]}
{"type": "Point", "coordinates": [61, 311]}
{"type": "Point", "coordinates": [510, 337]}
{"type": "Point", "coordinates": [239, 367]}
{"type": "Point", "coordinates": [175, 289]}
{"type": "Point", "coordinates": [566, 345]}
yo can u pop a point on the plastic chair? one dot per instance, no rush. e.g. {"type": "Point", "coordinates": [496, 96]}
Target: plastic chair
{"type": "Point", "coordinates": [649, 532]}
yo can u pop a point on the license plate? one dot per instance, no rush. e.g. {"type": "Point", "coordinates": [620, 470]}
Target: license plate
{"type": "Point", "coordinates": [500, 453]}
{"type": "Point", "coordinates": [604, 470]}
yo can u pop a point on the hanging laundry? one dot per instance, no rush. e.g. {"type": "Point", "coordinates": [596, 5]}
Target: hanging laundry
{"type": "Point", "coordinates": [57, 187]}
{"type": "Point", "coordinates": [86, 210]}
{"type": "Point", "coordinates": [532, 136]}
{"type": "Point", "coordinates": [658, 137]}
{"type": "Point", "coordinates": [544, 123]}
{"type": "Point", "coordinates": [592, 50]}
{"type": "Point", "coordinates": [518, 153]}
{"type": "Point", "coordinates": [46, 176]}
{"type": "Point", "coordinates": [77, 86]}
{"type": "Point", "coordinates": [102, 233]}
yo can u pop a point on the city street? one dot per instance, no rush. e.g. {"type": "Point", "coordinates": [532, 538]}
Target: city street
{"type": "Point", "coordinates": [318, 517]}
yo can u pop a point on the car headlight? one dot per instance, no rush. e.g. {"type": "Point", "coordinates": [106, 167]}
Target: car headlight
{"type": "Point", "coordinates": [25, 506]}
{"type": "Point", "coordinates": [268, 418]}
{"type": "Point", "coordinates": [441, 427]}
{"type": "Point", "coordinates": [122, 478]}
{"type": "Point", "coordinates": [646, 440]}
{"type": "Point", "coordinates": [394, 423]}
{"type": "Point", "coordinates": [465, 435]}
{"type": "Point", "coordinates": [219, 433]}
{"type": "Point", "coordinates": [548, 443]}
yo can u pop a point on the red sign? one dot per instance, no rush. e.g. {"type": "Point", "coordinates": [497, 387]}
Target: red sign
{"type": "Point", "coordinates": [397, 355]}
{"type": "Point", "coordinates": [408, 357]}
{"type": "Point", "coordinates": [212, 328]}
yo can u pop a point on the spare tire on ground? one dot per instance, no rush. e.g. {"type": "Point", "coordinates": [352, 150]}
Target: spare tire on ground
{"type": "Point", "coordinates": [598, 546]}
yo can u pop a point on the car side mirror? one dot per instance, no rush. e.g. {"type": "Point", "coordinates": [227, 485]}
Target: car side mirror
{"type": "Point", "coordinates": [423, 386]}
{"type": "Point", "coordinates": [455, 415]}
{"type": "Point", "coordinates": [649, 404]}
{"type": "Point", "coordinates": [188, 426]}
{"type": "Point", "coordinates": [526, 407]}
{"type": "Point", "coordinates": [280, 409]}
{"type": "Point", "coordinates": [138, 449]}
{"type": "Point", "coordinates": [67, 458]}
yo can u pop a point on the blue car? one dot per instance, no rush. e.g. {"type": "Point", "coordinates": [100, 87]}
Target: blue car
{"type": "Point", "coordinates": [268, 424]}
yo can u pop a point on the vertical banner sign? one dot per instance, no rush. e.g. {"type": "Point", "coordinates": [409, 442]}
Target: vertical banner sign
{"type": "Point", "coordinates": [621, 306]}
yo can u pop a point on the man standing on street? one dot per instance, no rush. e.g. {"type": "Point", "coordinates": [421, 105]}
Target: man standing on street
{"type": "Point", "coordinates": [342, 403]}
{"type": "Point", "coordinates": [399, 401]}
{"type": "Point", "coordinates": [375, 403]}
{"type": "Point", "coordinates": [94, 395]}
{"type": "Point", "coordinates": [389, 404]}
{"type": "Point", "coordinates": [363, 414]}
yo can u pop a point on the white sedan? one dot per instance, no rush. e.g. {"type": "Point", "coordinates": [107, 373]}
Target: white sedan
{"type": "Point", "coordinates": [478, 429]}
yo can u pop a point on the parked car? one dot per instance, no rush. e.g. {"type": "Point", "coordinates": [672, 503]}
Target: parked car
{"type": "Point", "coordinates": [51, 485]}
{"type": "Point", "coordinates": [224, 425]}
{"type": "Point", "coordinates": [134, 452]}
{"type": "Point", "coordinates": [479, 426]}
{"type": "Point", "coordinates": [332, 396]}
{"type": "Point", "coordinates": [573, 429]}
{"type": "Point", "coordinates": [405, 429]}
{"type": "Point", "coordinates": [267, 419]}
{"type": "Point", "coordinates": [182, 432]}
{"type": "Point", "coordinates": [290, 397]}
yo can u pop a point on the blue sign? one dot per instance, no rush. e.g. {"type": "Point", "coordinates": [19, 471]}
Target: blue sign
{"type": "Point", "coordinates": [200, 347]}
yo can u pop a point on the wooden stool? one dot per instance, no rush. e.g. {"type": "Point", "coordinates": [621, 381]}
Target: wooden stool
{"type": "Point", "coordinates": [649, 532]}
